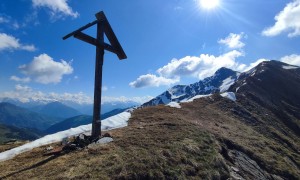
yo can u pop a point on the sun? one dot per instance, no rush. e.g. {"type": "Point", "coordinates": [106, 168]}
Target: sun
{"type": "Point", "coordinates": [209, 4]}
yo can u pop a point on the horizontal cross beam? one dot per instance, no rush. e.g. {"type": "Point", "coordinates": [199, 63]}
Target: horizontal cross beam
{"type": "Point", "coordinates": [80, 29]}
{"type": "Point", "coordinates": [115, 46]}
{"type": "Point", "coordinates": [93, 41]}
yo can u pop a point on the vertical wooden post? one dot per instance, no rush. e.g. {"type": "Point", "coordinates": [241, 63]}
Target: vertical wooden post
{"type": "Point", "coordinates": [96, 127]}
{"type": "Point", "coordinates": [103, 27]}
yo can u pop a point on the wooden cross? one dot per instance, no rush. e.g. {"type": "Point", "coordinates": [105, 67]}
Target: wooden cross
{"type": "Point", "coordinates": [103, 27]}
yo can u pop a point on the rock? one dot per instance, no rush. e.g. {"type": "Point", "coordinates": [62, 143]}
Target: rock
{"type": "Point", "coordinates": [50, 148]}
{"type": "Point", "coordinates": [245, 166]}
{"type": "Point", "coordinates": [104, 140]}
{"type": "Point", "coordinates": [107, 135]}
{"type": "Point", "coordinates": [234, 169]}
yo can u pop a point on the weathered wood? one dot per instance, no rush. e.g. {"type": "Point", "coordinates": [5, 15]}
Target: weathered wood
{"type": "Point", "coordinates": [87, 38]}
{"type": "Point", "coordinates": [96, 125]}
{"type": "Point", "coordinates": [95, 42]}
{"type": "Point", "coordinates": [103, 27]}
{"type": "Point", "coordinates": [111, 35]}
{"type": "Point", "coordinates": [80, 29]}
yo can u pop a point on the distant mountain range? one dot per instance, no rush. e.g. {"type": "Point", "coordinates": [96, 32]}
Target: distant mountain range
{"type": "Point", "coordinates": [71, 108]}
{"type": "Point", "coordinates": [56, 109]}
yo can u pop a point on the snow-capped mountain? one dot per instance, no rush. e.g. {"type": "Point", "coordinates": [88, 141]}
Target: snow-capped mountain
{"type": "Point", "coordinates": [27, 104]}
{"type": "Point", "coordinates": [83, 108]}
{"type": "Point", "coordinates": [219, 82]}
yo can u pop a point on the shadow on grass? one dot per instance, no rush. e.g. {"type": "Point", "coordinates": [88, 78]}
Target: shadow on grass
{"type": "Point", "coordinates": [33, 166]}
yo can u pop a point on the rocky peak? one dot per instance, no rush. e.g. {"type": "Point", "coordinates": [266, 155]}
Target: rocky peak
{"type": "Point", "coordinates": [222, 79]}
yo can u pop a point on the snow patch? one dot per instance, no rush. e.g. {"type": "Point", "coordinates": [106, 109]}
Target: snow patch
{"type": "Point", "coordinates": [226, 84]}
{"type": "Point", "coordinates": [174, 104]}
{"type": "Point", "coordinates": [177, 96]}
{"type": "Point", "coordinates": [104, 140]}
{"type": "Point", "coordinates": [195, 97]}
{"type": "Point", "coordinates": [251, 71]}
{"type": "Point", "coordinates": [117, 121]}
{"type": "Point", "coordinates": [290, 67]}
{"type": "Point", "coordinates": [229, 95]}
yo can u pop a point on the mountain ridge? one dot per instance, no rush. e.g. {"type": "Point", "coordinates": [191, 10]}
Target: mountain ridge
{"type": "Point", "coordinates": [56, 109]}
{"type": "Point", "coordinates": [219, 82]}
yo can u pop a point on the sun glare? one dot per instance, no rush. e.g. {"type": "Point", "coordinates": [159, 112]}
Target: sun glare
{"type": "Point", "coordinates": [209, 4]}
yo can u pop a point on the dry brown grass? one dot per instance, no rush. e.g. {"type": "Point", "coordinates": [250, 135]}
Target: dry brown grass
{"type": "Point", "coordinates": [163, 143]}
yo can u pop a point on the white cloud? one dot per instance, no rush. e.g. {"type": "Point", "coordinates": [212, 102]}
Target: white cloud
{"type": "Point", "coordinates": [286, 21]}
{"type": "Point", "coordinates": [203, 66]}
{"type": "Point", "coordinates": [58, 8]}
{"type": "Point", "coordinates": [27, 94]}
{"type": "Point", "coordinates": [19, 87]}
{"type": "Point", "coordinates": [151, 80]}
{"type": "Point", "coordinates": [252, 65]}
{"type": "Point", "coordinates": [9, 22]}
{"type": "Point", "coordinates": [23, 80]}
{"type": "Point", "coordinates": [28, 47]}
{"type": "Point", "coordinates": [200, 67]}
{"type": "Point", "coordinates": [8, 42]}
{"type": "Point", "coordinates": [43, 69]}
{"type": "Point", "coordinates": [233, 41]}
{"type": "Point", "coordinates": [293, 59]}
{"type": "Point", "coordinates": [79, 98]}
{"type": "Point", "coordinates": [140, 100]}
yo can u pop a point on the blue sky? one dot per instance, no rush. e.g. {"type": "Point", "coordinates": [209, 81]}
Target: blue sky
{"type": "Point", "coordinates": [167, 43]}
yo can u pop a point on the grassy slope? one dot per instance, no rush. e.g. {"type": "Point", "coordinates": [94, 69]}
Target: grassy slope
{"type": "Point", "coordinates": [203, 140]}
{"type": "Point", "coordinates": [20, 117]}
{"type": "Point", "coordinates": [8, 133]}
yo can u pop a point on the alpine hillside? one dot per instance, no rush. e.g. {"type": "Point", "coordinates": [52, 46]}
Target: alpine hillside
{"type": "Point", "coordinates": [255, 136]}
{"type": "Point", "coordinates": [12, 133]}
{"type": "Point", "coordinates": [23, 118]}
